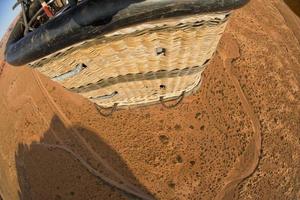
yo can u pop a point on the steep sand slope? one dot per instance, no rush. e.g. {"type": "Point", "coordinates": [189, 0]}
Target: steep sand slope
{"type": "Point", "coordinates": [237, 138]}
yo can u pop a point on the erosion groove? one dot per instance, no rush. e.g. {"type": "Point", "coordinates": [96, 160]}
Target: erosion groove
{"type": "Point", "coordinates": [248, 168]}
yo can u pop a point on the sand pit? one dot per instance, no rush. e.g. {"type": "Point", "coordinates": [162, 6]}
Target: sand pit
{"type": "Point", "coordinates": [237, 138]}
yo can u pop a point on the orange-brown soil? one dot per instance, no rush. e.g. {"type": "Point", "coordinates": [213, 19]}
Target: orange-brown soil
{"type": "Point", "coordinates": [237, 138]}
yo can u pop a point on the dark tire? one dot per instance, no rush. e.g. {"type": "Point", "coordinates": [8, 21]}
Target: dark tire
{"type": "Point", "coordinates": [93, 18]}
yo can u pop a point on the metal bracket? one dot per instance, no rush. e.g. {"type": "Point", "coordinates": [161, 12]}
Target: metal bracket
{"type": "Point", "coordinates": [178, 101]}
{"type": "Point", "coordinates": [110, 110]}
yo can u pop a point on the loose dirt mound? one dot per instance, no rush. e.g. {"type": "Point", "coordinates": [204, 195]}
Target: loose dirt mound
{"type": "Point", "coordinates": [237, 138]}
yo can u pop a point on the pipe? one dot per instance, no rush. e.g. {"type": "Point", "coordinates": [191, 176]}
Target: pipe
{"type": "Point", "coordinates": [96, 17]}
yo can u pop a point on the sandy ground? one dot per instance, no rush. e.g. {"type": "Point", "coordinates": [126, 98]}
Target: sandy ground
{"type": "Point", "coordinates": [237, 138]}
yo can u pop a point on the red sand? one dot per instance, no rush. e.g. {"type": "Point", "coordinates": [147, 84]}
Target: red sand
{"type": "Point", "coordinates": [237, 138]}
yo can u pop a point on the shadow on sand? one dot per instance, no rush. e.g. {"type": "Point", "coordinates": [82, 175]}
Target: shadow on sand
{"type": "Point", "coordinates": [74, 163]}
{"type": "Point", "coordinates": [294, 6]}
